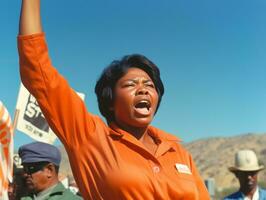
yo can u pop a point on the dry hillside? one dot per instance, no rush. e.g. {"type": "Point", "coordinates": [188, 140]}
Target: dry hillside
{"type": "Point", "coordinates": [214, 155]}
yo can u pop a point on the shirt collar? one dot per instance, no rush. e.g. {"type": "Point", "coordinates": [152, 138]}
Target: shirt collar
{"type": "Point", "coordinates": [162, 135]}
{"type": "Point", "coordinates": [115, 131]}
{"type": "Point", "coordinates": [45, 193]}
{"type": "Point", "coordinates": [165, 140]}
{"type": "Point", "coordinates": [255, 195]}
{"type": "Point", "coordinates": [155, 133]}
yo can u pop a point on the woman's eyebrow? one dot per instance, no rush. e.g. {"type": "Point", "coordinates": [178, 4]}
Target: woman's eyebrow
{"type": "Point", "coordinates": [137, 80]}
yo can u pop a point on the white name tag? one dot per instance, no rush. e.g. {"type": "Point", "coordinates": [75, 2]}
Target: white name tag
{"type": "Point", "coordinates": [181, 168]}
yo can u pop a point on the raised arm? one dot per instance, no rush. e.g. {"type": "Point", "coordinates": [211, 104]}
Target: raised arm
{"type": "Point", "coordinates": [63, 109]}
{"type": "Point", "coordinates": [30, 18]}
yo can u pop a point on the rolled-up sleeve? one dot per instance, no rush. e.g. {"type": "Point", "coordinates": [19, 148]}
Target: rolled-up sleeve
{"type": "Point", "coordinates": [63, 109]}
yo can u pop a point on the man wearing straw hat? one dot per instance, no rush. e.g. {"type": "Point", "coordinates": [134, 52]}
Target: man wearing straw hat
{"type": "Point", "coordinates": [246, 171]}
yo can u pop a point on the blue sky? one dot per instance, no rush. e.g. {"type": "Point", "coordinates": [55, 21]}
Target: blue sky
{"type": "Point", "coordinates": [211, 55]}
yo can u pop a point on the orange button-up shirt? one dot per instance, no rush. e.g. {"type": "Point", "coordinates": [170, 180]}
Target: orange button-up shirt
{"type": "Point", "coordinates": [107, 162]}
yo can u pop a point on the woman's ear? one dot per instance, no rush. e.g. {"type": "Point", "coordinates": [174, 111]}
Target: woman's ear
{"type": "Point", "coordinates": [111, 106]}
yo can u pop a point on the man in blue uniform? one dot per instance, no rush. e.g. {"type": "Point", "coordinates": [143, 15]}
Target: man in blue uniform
{"type": "Point", "coordinates": [246, 170]}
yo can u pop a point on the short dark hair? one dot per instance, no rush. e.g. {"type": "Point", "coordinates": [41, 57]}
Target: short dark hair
{"type": "Point", "coordinates": [104, 87]}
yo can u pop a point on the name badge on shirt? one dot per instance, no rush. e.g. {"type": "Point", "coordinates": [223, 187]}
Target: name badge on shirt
{"type": "Point", "coordinates": [181, 168]}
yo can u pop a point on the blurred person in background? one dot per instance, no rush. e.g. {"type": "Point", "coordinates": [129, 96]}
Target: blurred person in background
{"type": "Point", "coordinates": [41, 163]}
{"type": "Point", "coordinates": [246, 170]}
{"type": "Point", "coordinates": [72, 185]}
{"type": "Point", "coordinates": [11, 191]}
{"type": "Point", "coordinates": [18, 188]}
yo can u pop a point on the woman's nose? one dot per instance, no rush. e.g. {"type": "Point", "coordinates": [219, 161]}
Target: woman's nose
{"type": "Point", "coordinates": [142, 90]}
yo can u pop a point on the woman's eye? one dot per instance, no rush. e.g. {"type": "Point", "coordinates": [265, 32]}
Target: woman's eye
{"type": "Point", "coordinates": [128, 85]}
{"type": "Point", "coordinates": [150, 85]}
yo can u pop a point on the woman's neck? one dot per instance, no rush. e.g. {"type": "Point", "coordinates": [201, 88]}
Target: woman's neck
{"type": "Point", "coordinates": [141, 134]}
{"type": "Point", "coordinates": [137, 132]}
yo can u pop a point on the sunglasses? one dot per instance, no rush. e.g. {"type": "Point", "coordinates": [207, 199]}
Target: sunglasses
{"type": "Point", "coordinates": [30, 168]}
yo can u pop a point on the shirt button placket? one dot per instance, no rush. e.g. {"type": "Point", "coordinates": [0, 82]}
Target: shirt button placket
{"type": "Point", "coordinates": [156, 169]}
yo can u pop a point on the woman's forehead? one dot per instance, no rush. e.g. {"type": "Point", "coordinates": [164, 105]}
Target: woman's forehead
{"type": "Point", "coordinates": [135, 72]}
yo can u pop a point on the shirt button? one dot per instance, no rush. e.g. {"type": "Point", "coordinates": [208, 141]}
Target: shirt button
{"type": "Point", "coordinates": [156, 169]}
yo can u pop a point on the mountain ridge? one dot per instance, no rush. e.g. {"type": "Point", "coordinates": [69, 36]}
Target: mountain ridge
{"type": "Point", "coordinates": [213, 156]}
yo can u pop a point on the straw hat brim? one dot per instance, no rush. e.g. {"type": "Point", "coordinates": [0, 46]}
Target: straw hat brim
{"type": "Point", "coordinates": [258, 168]}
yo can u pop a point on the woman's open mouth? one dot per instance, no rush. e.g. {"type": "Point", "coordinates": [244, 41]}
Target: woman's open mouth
{"type": "Point", "coordinates": [143, 107]}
